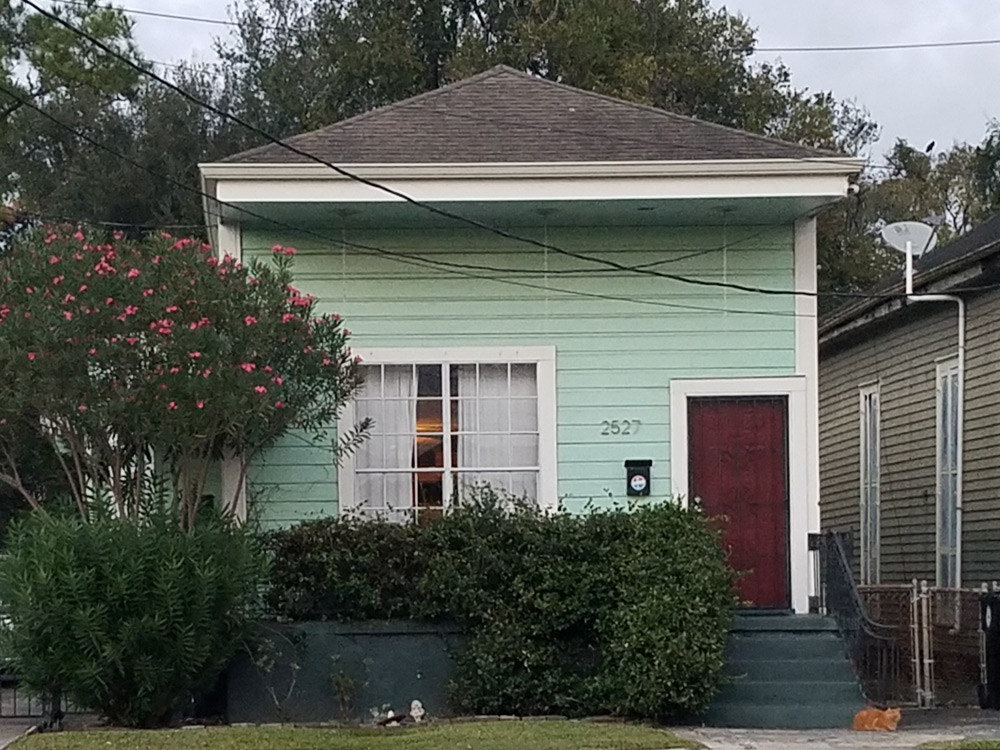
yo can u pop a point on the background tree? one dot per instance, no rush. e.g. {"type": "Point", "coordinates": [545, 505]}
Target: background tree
{"type": "Point", "coordinates": [295, 65]}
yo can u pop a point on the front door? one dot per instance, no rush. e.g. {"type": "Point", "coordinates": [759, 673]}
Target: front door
{"type": "Point", "coordinates": [738, 472]}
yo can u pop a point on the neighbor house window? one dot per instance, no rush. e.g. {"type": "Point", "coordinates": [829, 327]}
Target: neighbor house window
{"type": "Point", "coordinates": [446, 422]}
{"type": "Point", "coordinates": [870, 475]}
{"type": "Point", "coordinates": [947, 473]}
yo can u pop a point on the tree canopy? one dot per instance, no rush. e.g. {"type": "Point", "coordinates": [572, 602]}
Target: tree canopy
{"type": "Point", "coordinates": [294, 65]}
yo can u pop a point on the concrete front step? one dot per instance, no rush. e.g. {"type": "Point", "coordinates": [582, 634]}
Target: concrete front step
{"type": "Point", "coordinates": [790, 670]}
{"type": "Point", "coordinates": [788, 693]}
{"type": "Point", "coordinates": [786, 671]}
{"type": "Point", "coordinates": [770, 646]}
{"type": "Point", "coordinates": [752, 716]}
{"type": "Point", "coordinates": [783, 623]}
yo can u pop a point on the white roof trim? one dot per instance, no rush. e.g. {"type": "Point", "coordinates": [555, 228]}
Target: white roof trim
{"type": "Point", "coordinates": [507, 170]}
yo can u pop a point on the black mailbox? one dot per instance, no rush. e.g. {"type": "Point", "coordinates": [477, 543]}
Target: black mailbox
{"type": "Point", "coordinates": [637, 476]}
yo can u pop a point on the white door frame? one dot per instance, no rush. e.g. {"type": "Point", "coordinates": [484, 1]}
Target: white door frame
{"type": "Point", "coordinates": [800, 501]}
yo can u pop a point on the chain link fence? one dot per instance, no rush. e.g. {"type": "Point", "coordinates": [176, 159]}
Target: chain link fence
{"type": "Point", "coordinates": [937, 634]}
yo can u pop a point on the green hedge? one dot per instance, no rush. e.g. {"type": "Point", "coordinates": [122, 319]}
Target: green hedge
{"type": "Point", "coordinates": [125, 618]}
{"type": "Point", "coordinates": [621, 612]}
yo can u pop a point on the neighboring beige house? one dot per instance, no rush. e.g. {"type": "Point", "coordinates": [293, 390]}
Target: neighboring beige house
{"type": "Point", "coordinates": [890, 427]}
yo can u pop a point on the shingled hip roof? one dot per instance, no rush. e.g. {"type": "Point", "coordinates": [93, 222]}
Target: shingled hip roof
{"type": "Point", "coordinates": [503, 115]}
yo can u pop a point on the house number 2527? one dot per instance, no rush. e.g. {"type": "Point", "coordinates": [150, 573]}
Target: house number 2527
{"type": "Point", "coordinates": [620, 426]}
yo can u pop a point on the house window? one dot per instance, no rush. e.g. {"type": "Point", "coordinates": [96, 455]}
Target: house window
{"type": "Point", "coordinates": [948, 417]}
{"type": "Point", "coordinates": [870, 477]}
{"type": "Point", "coordinates": [446, 424]}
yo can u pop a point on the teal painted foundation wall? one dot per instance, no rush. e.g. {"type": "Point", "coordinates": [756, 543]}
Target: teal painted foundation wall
{"type": "Point", "coordinates": [615, 358]}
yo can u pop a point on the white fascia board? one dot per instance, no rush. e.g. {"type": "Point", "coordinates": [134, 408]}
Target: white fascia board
{"type": "Point", "coordinates": [540, 188]}
{"type": "Point", "coordinates": [508, 170]}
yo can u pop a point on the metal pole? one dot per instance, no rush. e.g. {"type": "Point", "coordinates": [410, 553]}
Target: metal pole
{"type": "Point", "coordinates": [925, 632]}
{"type": "Point", "coordinates": [959, 406]}
{"type": "Point", "coordinates": [909, 267]}
{"type": "Point", "coordinates": [918, 688]}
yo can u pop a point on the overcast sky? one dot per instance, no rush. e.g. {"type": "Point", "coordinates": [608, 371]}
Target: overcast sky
{"type": "Point", "coordinates": [945, 95]}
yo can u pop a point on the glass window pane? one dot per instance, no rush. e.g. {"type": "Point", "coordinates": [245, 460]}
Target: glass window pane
{"type": "Point", "coordinates": [369, 491]}
{"type": "Point", "coordinates": [371, 453]}
{"type": "Point", "coordinates": [466, 415]}
{"type": "Point", "coordinates": [493, 381]}
{"type": "Point", "coordinates": [523, 381]}
{"type": "Point", "coordinates": [428, 380]}
{"type": "Point", "coordinates": [398, 491]}
{"type": "Point", "coordinates": [397, 381]}
{"type": "Point", "coordinates": [494, 415]}
{"type": "Point", "coordinates": [494, 450]}
{"type": "Point", "coordinates": [473, 482]}
{"type": "Point", "coordinates": [524, 450]}
{"type": "Point", "coordinates": [371, 384]}
{"type": "Point", "coordinates": [399, 451]}
{"type": "Point", "coordinates": [523, 415]}
{"type": "Point", "coordinates": [429, 490]}
{"type": "Point", "coordinates": [463, 381]}
{"type": "Point", "coordinates": [371, 410]}
{"type": "Point", "coordinates": [429, 415]}
{"type": "Point", "coordinates": [524, 484]}
{"type": "Point", "coordinates": [430, 451]}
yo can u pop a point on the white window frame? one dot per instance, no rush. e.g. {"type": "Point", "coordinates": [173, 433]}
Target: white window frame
{"type": "Point", "coordinates": [544, 359]}
{"type": "Point", "coordinates": [870, 490]}
{"type": "Point", "coordinates": [947, 370]}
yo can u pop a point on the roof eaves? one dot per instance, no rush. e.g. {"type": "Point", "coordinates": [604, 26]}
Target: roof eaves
{"type": "Point", "coordinates": [936, 279]}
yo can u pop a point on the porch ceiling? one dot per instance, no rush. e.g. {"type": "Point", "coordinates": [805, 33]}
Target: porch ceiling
{"type": "Point", "coordinates": [645, 212]}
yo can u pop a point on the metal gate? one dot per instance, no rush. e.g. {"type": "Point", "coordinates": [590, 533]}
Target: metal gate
{"type": "Point", "coordinates": [937, 634]}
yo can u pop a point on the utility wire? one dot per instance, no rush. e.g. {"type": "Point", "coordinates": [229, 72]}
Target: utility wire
{"type": "Point", "coordinates": [393, 255]}
{"type": "Point", "coordinates": [832, 48]}
{"type": "Point", "coordinates": [403, 196]}
{"type": "Point", "coordinates": [884, 47]}
{"type": "Point", "coordinates": [423, 262]}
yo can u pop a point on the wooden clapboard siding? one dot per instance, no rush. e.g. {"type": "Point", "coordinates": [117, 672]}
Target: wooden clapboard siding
{"type": "Point", "coordinates": [902, 355]}
{"type": "Point", "coordinates": [615, 358]}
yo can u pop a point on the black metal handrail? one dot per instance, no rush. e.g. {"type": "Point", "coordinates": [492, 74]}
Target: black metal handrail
{"type": "Point", "coordinates": [874, 647]}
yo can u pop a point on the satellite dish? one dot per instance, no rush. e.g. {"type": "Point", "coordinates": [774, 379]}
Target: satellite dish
{"type": "Point", "coordinates": [920, 237]}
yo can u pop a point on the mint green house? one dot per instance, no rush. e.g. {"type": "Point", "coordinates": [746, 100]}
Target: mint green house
{"type": "Point", "coordinates": [545, 284]}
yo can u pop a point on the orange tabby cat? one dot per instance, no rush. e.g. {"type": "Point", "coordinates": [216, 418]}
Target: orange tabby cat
{"type": "Point", "coordinates": [876, 720]}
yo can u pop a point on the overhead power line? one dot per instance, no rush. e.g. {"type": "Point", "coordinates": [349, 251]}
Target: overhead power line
{"type": "Point", "coordinates": [395, 255]}
{"type": "Point", "coordinates": [819, 48]}
{"type": "Point", "coordinates": [429, 207]}
{"type": "Point", "coordinates": [160, 14]}
{"type": "Point", "coordinates": [423, 262]}
{"type": "Point", "coordinates": [885, 47]}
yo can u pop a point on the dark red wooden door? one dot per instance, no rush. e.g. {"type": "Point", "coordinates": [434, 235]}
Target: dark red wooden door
{"type": "Point", "coordinates": [738, 454]}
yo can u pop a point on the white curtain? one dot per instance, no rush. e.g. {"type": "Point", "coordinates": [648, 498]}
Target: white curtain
{"type": "Point", "coordinates": [389, 495]}
{"type": "Point", "coordinates": [483, 409]}
{"type": "Point", "coordinates": [524, 420]}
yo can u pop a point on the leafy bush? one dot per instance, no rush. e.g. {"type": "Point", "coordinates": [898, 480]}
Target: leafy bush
{"type": "Point", "coordinates": [340, 569]}
{"type": "Point", "coordinates": [610, 612]}
{"type": "Point", "coordinates": [125, 618]}
{"type": "Point", "coordinates": [114, 349]}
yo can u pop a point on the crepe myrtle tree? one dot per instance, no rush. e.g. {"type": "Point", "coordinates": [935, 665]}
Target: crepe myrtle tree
{"type": "Point", "coordinates": [145, 361]}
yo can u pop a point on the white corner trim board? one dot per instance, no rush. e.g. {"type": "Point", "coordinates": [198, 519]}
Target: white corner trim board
{"type": "Point", "coordinates": [795, 390]}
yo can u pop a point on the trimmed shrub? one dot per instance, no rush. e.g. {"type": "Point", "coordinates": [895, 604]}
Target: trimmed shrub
{"type": "Point", "coordinates": [610, 612]}
{"type": "Point", "coordinates": [125, 618]}
{"type": "Point", "coordinates": [340, 569]}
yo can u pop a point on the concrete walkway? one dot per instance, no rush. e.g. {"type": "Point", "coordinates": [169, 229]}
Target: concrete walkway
{"type": "Point", "coordinates": [11, 729]}
{"type": "Point", "coordinates": [761, 739]}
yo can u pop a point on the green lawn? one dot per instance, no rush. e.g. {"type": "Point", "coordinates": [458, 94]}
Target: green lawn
{"type": "Point", "coordinates": [963, 745]}
{"type": "Point", "coordinates": [494, 735]}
